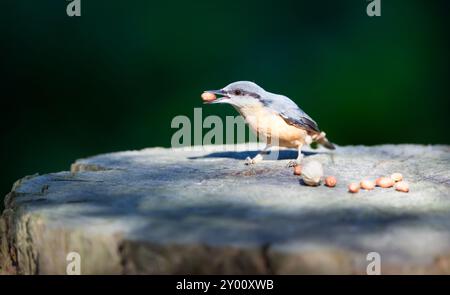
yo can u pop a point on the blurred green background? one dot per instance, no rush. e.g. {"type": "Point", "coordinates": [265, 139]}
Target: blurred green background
{"type": "Point", "coordinates": [114, 78]}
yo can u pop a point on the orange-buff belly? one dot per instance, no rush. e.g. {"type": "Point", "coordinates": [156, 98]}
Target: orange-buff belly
{"type": "Point", "coordinates": [272, 128]}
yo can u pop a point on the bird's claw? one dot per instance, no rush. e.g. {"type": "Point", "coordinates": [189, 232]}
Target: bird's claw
{"type": "Point", "coordinates": [297, 161]}
{"type": "Point", "coordinates": [293, 164]}
{"type": "Point", "coordinates": [249, 161]}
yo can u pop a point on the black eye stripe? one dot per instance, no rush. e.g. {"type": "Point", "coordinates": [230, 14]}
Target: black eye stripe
{"type": "Point", "coordinates": [254, 95]}
{"type": "Point", "coordinates": [242, 92]}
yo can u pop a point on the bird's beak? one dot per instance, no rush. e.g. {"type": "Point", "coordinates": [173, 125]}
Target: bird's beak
{"type": "Point", "coordinates": [222, 96]}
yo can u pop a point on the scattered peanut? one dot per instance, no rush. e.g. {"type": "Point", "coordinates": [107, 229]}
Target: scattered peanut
{"type": "Point", "coordinates": [377, 181]}
{"type": "Point", "coordinates": [297, 170]}
{"type": "Point", "coordinates": [207, 96]}
{"type": "Point", "coordinates": [367, 184]}
{"type": "Point", "coordinates": [330, 181]}
{"type": "Point", "coordinates": [385, 182]}
{"type": "Point", "coordinates": [396, 177]}
{"type": "Point", "coordinates": [402, 186]}
{"type": "Point", "coordinates": [353, 188]}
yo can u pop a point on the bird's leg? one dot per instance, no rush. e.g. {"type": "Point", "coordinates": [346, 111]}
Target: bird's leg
{"type": "Point", "coordinates": [299, 159]}
{"type": "Point", "coordinates": [259, 157]}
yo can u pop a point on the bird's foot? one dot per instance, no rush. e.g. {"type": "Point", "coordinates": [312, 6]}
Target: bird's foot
{"type": "Point", "coordinates": [253, 161]}
{"type": "Point", "coordinates": [293, 163]}
{"type": "Point", "coordinates": [249, 161]}
{"type": "Point", "coordinates": [296, 162]}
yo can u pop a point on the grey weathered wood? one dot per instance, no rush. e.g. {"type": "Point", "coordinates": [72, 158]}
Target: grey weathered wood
{"type": "Point", "coordinates": [161, 211]}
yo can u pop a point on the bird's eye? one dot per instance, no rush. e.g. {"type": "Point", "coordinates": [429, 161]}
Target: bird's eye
{"type": "Point", "coordinates": [237, 92]}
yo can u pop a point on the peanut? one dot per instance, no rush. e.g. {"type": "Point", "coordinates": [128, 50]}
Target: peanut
{"type": "Point", "coordinates": [297, 170]}
{"type": "Point", "coordinates": [367, 184]}
{"type": "Point", "coordinates": [396, 177]}
{"type": "Point", "coordinates": [353, 188]}
{"type": "Point", "coordinates": [385, 182]}
{"type": "Point", "coordinates": [330, 181]}
{"type": "Point", "coordinates": [207, 96]}
{"type": "Point", "coordinates": [402, 186]}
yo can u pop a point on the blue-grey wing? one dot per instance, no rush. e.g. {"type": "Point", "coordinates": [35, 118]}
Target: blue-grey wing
{"type": "Point", "coordinates": [290, 112]}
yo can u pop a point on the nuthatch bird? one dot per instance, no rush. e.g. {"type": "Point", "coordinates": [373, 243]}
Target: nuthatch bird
{"type": "Point", "coordinates": [273, 117]}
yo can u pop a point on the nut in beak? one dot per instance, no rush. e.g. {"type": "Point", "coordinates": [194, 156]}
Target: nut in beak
{"type": "Point", "coordinates": [210, 96]}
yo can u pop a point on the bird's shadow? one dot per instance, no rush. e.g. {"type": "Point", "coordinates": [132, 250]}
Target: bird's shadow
{"type": "Point", "coordinates": [242, 155]}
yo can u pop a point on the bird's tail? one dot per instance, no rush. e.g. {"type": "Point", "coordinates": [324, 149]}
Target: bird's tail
{"type": "Point", "coordinates": [323, 140]}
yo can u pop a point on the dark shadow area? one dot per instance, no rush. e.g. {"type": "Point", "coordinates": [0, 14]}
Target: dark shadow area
{"type": "Point", "coordinates": [283, 155]}
{"type": "Point", "coordinates": [170, 219]}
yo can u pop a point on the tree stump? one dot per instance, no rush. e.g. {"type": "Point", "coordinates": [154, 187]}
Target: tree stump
{"type": "Point", "coordinates": [202, 211]}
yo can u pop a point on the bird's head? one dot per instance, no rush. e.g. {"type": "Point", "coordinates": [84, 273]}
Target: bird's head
{"type": "Point", "coordinates": [239, 94]}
